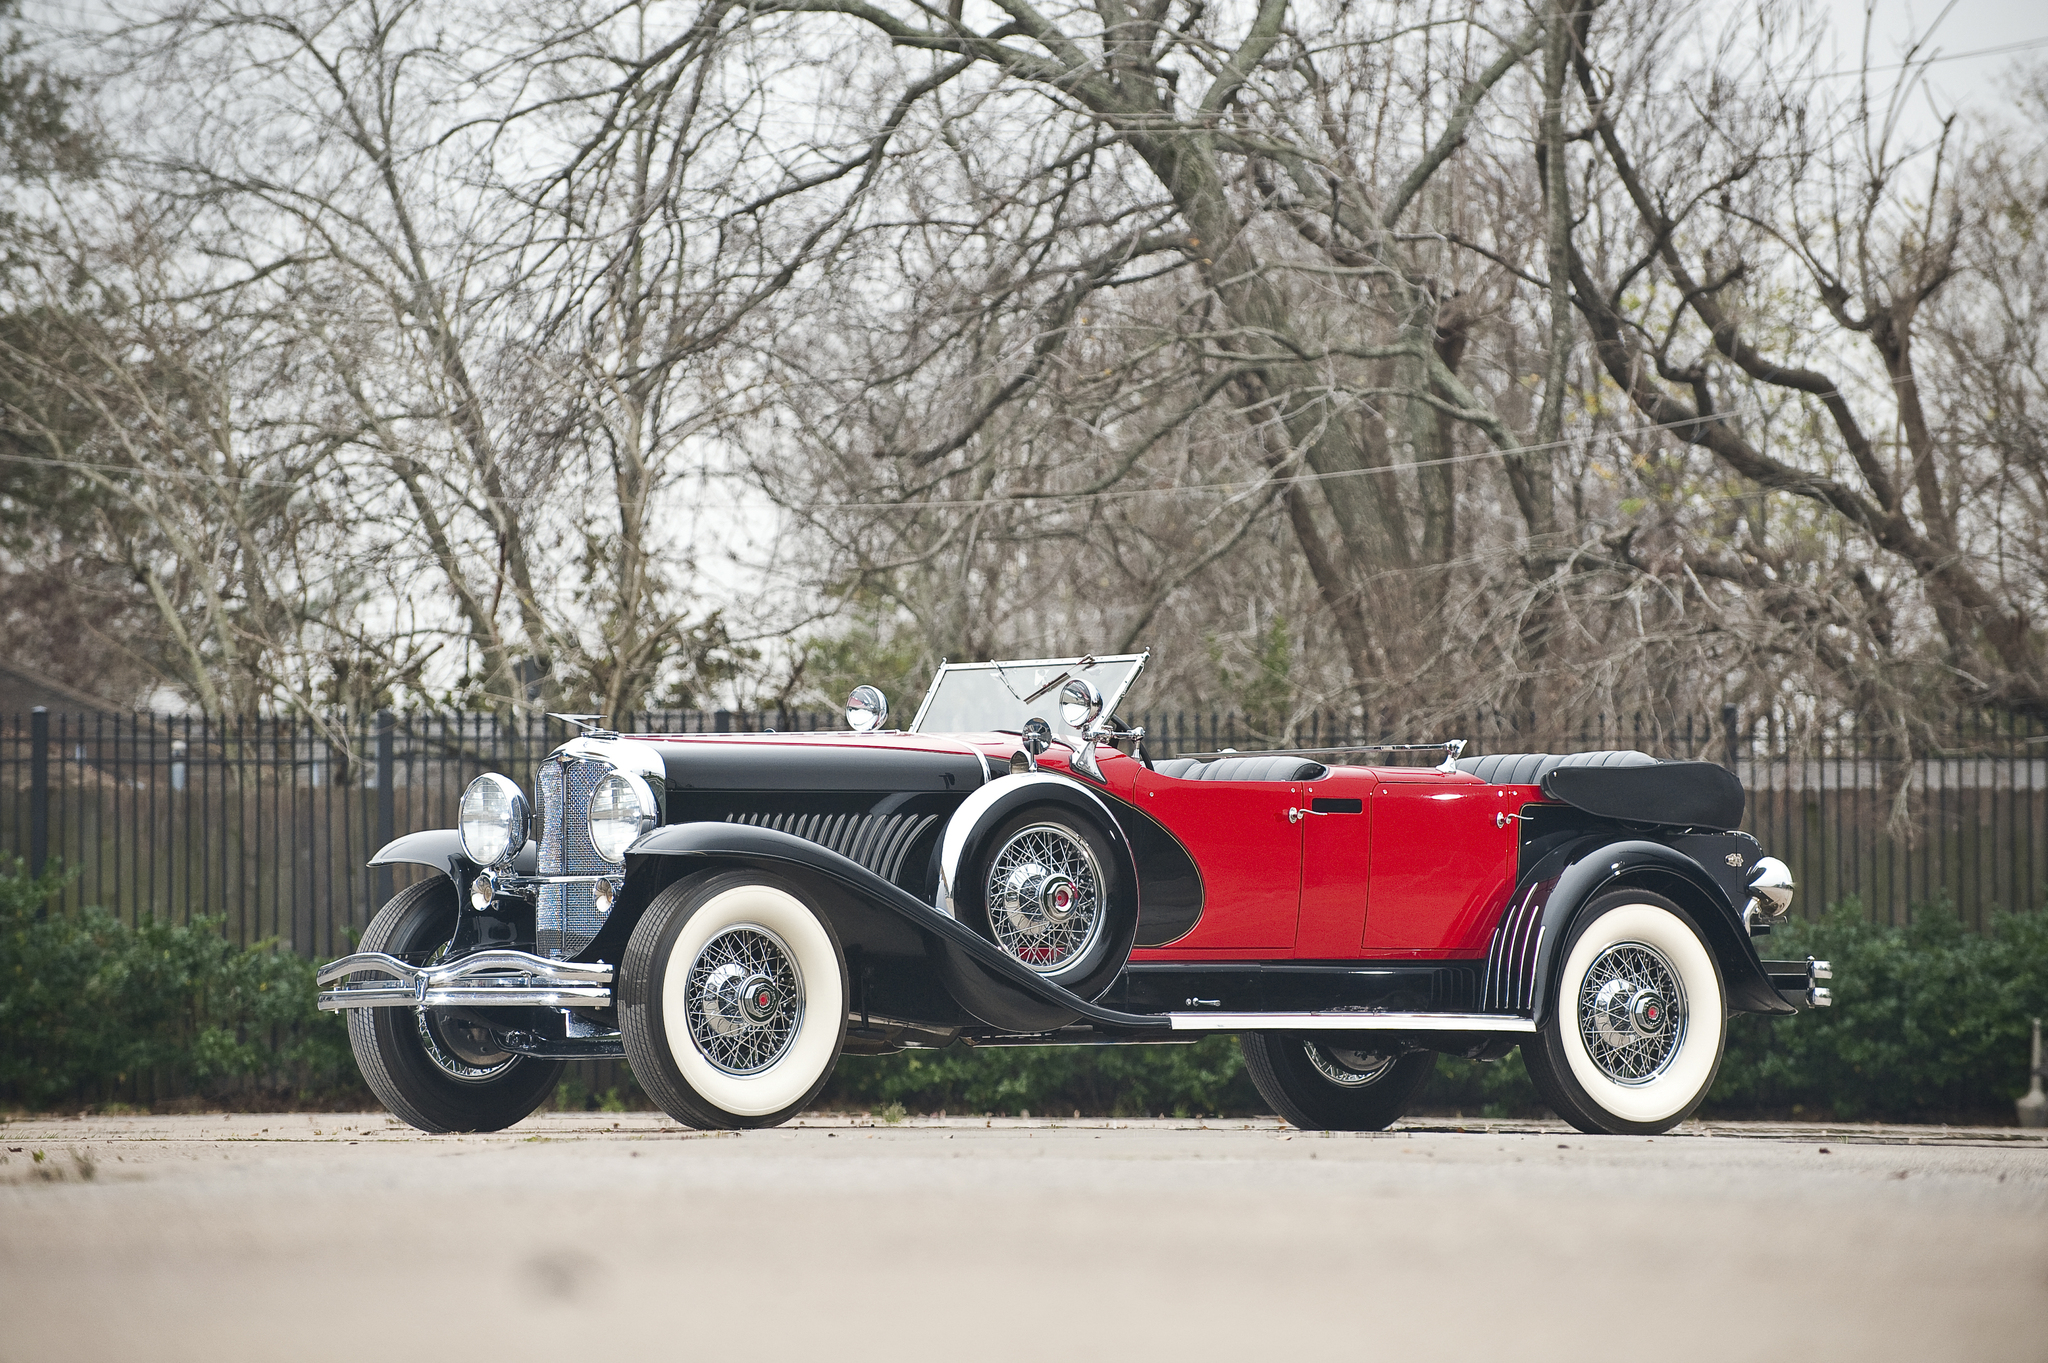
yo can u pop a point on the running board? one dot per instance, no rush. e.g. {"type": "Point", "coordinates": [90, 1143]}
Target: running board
{"type": "Point", "coordinates": [1350, 1022]}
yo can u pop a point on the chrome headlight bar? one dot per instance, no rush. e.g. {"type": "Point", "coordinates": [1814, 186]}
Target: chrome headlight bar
{"type": "Point", "coordinates": [488, 979]}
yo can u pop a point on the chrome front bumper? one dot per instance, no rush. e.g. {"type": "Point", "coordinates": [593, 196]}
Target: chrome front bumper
{"type": "Point", "coordinates": [489, 979]}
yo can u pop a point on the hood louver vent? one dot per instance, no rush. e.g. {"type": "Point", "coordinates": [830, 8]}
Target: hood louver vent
{"type": "Point", "coordinates": [879, 842]}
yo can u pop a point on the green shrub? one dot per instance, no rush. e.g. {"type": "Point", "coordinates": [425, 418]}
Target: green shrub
{"type": "Point", "coordinates": [88, 1003]}
{"type": "Point", "coordinates": [1930, 1020]}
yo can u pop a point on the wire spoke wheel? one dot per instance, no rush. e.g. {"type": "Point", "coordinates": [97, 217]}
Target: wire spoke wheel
{"type": "Point", "coordinates": [461, 1051]}
{"type": "Point", "coordinates": [732, 1000]}
{"type": "Point", "coordinates": [1633, 1041]}
{"type": "Point", "coordinates": [437, 1072]}
{"type": "Point", "coordinates": [1348, 1069]}
{"type": "Point", "coordinates": [1632, 1012]}
{"type": "Point", "coordinates": [744, 999]}
{"type": "Point", "coordinates": [1045, 897]}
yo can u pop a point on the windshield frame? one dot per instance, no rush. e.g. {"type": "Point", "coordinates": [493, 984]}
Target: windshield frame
{"type": "Point", "coordinates": [1112, 674]}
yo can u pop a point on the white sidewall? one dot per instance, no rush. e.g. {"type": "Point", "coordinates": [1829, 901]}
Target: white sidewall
{"type": "Point", "coordinates": [1693, 1067]}
{"type": "Point", "coordinates": [810, 1053]}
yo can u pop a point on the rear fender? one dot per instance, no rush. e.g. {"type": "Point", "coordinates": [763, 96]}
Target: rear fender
{"type": "Point", "coordinates": [1528, 943]}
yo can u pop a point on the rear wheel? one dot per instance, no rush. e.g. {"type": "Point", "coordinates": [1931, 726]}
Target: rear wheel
{"type": "Point", "coordinates": [437, 1073]}
{"type": "Point", "coordinates": [1334, 1083]}
{"type": "Point", "coordinates": [732, 1001]}
{"type": "Point", "coordinates": [1638, 1022]}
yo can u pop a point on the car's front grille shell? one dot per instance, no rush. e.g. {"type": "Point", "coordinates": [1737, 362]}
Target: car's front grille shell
{"type": "Point", "coordinates": [567, 916]}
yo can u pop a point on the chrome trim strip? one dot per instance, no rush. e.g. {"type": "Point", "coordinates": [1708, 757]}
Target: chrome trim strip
{"type": "Point", "coordinates": [617, 878]}
{"type": "Point", "coordinates": [1349, 1022]}
{"type": "Point", "coordinates": [488, 979]}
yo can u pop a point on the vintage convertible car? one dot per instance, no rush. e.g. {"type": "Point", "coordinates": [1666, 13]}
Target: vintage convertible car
{"type": "Point", "coordinates": [733, 912]}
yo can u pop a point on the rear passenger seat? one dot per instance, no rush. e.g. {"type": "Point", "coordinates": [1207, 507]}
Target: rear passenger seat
{"type": "Point", "coordinates": [1529, 768]}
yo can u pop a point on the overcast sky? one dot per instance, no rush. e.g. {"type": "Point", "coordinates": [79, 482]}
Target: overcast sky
{"type": "Point", "coordinates": [1959, 80]}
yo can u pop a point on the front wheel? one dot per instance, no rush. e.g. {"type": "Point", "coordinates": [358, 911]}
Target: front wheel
{"type": "Point", "coordinates": [732, 1001]}
{"type": "Point", "coordinates": [438, 1073]}
{"type": "Point", "coordinates": [1331, 1083]}
{"type": "Point", "coordinates": [1638, 1021]}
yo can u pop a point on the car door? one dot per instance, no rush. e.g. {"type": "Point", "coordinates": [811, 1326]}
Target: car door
{"type": "Point", "coordinates": [1442, 861]}
{"type": "Point", "coordinates": [1248, 851]}
{"type": "Point", "coordinates": [1335, 864]}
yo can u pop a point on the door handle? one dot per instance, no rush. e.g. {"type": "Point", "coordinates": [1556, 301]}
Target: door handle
{"type": "Point", "coordinates": [1297, 815]}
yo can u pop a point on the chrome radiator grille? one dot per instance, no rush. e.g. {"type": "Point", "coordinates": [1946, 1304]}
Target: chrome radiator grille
{"type": "Point", "coordinates": [567, 916]}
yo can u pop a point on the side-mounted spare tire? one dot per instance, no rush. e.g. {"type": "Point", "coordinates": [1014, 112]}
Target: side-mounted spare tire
{"type": "Point", "coordinates": [1050, 888]}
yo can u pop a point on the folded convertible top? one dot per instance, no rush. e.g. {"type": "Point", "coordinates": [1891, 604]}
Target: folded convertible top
{"type": "Point", "coordinates": [1676, 794]}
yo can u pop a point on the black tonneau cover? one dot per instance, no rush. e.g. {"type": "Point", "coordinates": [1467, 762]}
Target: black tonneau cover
{"type": "Point", "coordinates": [1673, 794]}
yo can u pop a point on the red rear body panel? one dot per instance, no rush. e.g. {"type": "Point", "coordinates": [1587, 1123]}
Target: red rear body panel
{"type": "Point", "coordinates": [1399, 863]}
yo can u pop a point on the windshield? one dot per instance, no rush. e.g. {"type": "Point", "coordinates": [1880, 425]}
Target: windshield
{"type": "Point", "coordinates": [978, 697]}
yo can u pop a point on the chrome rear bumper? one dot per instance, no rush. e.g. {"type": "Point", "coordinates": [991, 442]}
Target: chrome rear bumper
{"type": "Point", "coordinates": [1798, 982]}
{"type": "Point", "coordinates": [489, 979]}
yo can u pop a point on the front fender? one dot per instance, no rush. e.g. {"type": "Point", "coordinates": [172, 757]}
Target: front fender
{"type": "Point", "coordinates": [441, 848]}
{"type": "Point", "coordinates": [1528, 944]}
{"type": "Point", "coordinates": [878, 920]}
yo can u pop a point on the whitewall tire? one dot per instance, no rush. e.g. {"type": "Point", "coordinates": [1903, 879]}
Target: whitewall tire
{"type": "Point", "coordinates": [1638, 1021]}
{"type": "Point", "coordinates": [732, 1000]}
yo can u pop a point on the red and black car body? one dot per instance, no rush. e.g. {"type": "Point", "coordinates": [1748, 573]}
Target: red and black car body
{"type": "Point", "coordinates": [1343, 915]}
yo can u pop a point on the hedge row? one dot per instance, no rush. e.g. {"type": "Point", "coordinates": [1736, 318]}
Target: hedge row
{"type": "Point", "coordinates": [1930, 1022]}
{"type": "Point", "coordinates": [89, 1004]}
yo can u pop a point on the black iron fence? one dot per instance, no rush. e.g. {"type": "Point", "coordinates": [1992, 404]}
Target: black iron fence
{"type": "Point", "coordinates": [268, 822]}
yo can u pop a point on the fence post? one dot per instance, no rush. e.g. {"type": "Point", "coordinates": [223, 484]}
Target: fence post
{"type": "Point", "coordinates": [386, 807]}
{"type": "Point", "coordinates": [1728, 718]}
{"type": "Point", "coordinates": [721, 722]}
{"type": "Point", "coordinates": [38, 790]}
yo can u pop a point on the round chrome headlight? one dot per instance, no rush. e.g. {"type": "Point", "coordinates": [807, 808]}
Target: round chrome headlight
{"type": "Point", "coordinates": [867, 709]}
{"type": "Point", "coordinates": [492, 819]}
{"type": "Point", "coordinates": [621, 809]}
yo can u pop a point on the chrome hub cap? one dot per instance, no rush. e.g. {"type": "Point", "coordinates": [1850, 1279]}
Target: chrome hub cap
{"type": "Point", "coordinates": [1347, 1069]}
{"type": "Point", "coordinates": [1045, 897]}
{"type": "Point", "coordinates": [744, 998]}
{"type": "Point", "coordinates": [1632, 1012]}
{"type": "Point", "coordinates": [759, 998]}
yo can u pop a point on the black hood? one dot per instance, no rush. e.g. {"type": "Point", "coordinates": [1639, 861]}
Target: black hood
{"type": "Point", "coordinates": [884, 764]}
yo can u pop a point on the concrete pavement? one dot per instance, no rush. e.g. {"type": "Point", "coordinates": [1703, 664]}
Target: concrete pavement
{"type": "Point", "coordinates": [348, 1236]}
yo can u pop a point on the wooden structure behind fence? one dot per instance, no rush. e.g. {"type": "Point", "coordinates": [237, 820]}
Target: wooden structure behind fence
{"type": "Point", "coordinates": [267, 822]}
